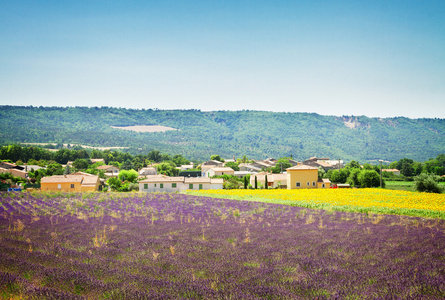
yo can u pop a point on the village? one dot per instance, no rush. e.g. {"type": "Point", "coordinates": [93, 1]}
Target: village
{"type": "Point", "coordinates": [211, 174]}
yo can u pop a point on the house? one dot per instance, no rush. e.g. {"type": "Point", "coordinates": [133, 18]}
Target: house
{"type": "Point", "coordinates": [249, 167]}
{"type": "Point", "coordinates": [262, 164]}
{"type": "Point", "coordinates": [148, 171]}
{"type": "Point", "coordinates": [70, 183]}
{"type": "Point", "coordinates": [7, 165]}
{"type": "Point", "coordinates": [393, 171]}
{"type": "Point", "coordinates": [325, 163]}
{"type": "Point", "coordinates": [203, 183]}
{"type": "Point", "coordinates": [260, 178]}
{"type": "Point", "coordinates": [323, 183]}
{"type": "Point", "coordinates": [29, 168]}
{"type": "Point", "coordinates": [273, 180]}
{"type": "Point", "coordinates": [218, 171]}
{"type": "Point", "coordinates": [187, 167]}
{"type": "Point", "coordinates": [279, 181]}
{"type": "Point", "coordinates": [304, 177]}
{"type": "Point", "coordinates": [96, 160]}
{"type": "Point", "coordinates": [162, 183]}
{"type": "Point", "coordinates": [15, 172]}
{"type": "Point", "coordinates": [215, 163]}
{"type": "Point", "coordinates": [110, 171]}
{"type": "Point", "coordinates": [241, 174]}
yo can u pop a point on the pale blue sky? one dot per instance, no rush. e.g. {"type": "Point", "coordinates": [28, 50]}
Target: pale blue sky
{"type": "Point", "coordinates": [375, 58]}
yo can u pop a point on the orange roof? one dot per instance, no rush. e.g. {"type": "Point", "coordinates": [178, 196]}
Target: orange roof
{"type": "Point", "coordinates": [222, 169]}
{"type": "Point", "coordinates": [162, 178]}
{"type": "Point", "coordinates": [62, 179]}
{"type": "Point", "coordinates": [106, 167]}
{"type": "Point", "coordinates": [302, 167]}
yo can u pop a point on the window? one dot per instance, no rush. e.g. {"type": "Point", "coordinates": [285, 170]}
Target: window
{"type": "Point", "coordinates": [298, 184]}
{"type": "Point", "coordinates": [323, 186]}
{"type": "Point", "coordinates": [59, 186]}
{"type": "Point", "coordinates": [313, 183]}
{"type": "Point", "coordinates": [190, 186]}
{"type": "Point", "coordinates": [145, 186]}
{"type": "Point", "coordinates": [200, 186]}
{"type": "Point", "coordinates": [162, 186]}
{"type": "Point", "coordinates": [155, 184]}
{"type": "Point", "coordinates": [308, 183]}
{"type": "Point", "coordinates": [173, 185]}
{"type": "Point", "coordinates": [72, 185]}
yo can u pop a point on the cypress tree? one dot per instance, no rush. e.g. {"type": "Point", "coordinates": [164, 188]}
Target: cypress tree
{"type": "Point", "coordinates": [265, 182]}
{"type": "Point", "coordinates": [245, 182]}
{"type": "Point", "coordinates": [256, 183]}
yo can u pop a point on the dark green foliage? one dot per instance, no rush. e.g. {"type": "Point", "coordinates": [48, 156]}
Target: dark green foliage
{"type": "Point", "coordinates": [281, 165]}
{"type": "Point", "coordinates": [427, 183]}
{"type": "Point", "coordinates": [216, 157]}
{"type": "Point", "coordinates": [114, 183]}
{"type": "Point", "coordinates": [80, 164]}
{"type": "Point", "coordinates": [67, 170]}
{"type": "Point", "coordinates": [246, 183]}
{"type": "Point", "coordinates": [232, 165]}
{"type": "Point", "coordinates": [200, 134]}
{"type": "Point", "coordinates": [338, 176]}
{"type": "Point", "coordinates": [256, 183]}
{"type": "Point", "coordinates": [353, 177]}
{"type": "Point", "coordinates": [353, 164]}
{"type": "Point", "coordinates": [265, 182]}
{"type": "Point", "coordinates": [128, 175]}
{"type": "Point", "coordinates": [369, 178]}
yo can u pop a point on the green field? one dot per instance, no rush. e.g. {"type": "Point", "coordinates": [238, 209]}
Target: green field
{"type": "Point", "coordinates": [400, 185]}
{"type": "Point", "coordinates": [403, 185]}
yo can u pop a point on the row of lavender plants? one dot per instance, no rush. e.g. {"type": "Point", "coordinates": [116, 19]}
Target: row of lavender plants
{"type": "Point", "coordinates": [176, 246]}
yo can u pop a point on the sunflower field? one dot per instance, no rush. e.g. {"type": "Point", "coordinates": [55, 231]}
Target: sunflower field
{"type": "Point", "coordinates": [353, 200]}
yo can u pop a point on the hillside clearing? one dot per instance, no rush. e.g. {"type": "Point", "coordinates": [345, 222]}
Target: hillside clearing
{"type": "Point", "coordinates": [145, 128]}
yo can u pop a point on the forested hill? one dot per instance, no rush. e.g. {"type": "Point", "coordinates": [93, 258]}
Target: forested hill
{"type": "Point", "coordinates": [257, 134]}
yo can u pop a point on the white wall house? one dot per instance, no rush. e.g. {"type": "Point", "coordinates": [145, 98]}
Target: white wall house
{"type": "Point", "coordinates": [147, 171]}
{"type": "Point", "coordinates": [110, 171]}
{"type": "Point", "coordinates": [218, 171]}
{"type": "Point", "coordinates": [161, 183]}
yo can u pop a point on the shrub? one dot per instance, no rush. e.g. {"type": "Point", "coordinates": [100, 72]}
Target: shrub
{"type": "Point", "coordinates": [427, 183]}
{"type": "Point", "coordinates": [369, 178]}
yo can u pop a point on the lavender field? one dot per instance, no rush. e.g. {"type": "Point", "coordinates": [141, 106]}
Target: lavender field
{"type": "Point", "coordinates": [176, 246]}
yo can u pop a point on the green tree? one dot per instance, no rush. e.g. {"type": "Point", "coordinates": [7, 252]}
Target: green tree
{"type": "Point", "coordinates": [127, 165]}
{"type": "Point", "coordinates": [265, 182]}
{"type": "Point", "coordinates": [232, 165]}
{"type": "Point", "coordinates": [427, 183]}
{"type": "Point", "coordinates": [353, 164]}
{"type": "Point", "coordinates": [256, 183]}
{"type": "Point", "coordinates": [154, 155]}
{"type": "Point", "coordinates": [245, 182]}
{"type": "Point", "coordinates": [67, 170]}
{"type": "Point", "coordinates": [216, 157]}
{"type": "Point", "coordinates": [281, 165]}
{"type": "Point", "coordinates": [167, 168]}
{"type": "Point", "coordinates": [353, 177]}
{"type": "Point", "coordinates": [179, 160]}
{"type": "Point", "coordinates": [81, 164]}
{"type": "Point", "coordinates": [114, 183]}
{"type": "Point", "coordinates": [128, 175]}
{"type": "Point", "coordinates": [369, 178]}
{"type": "Point", "coordinates": [339, 176]}
{"type": "Point", "coordinates": [231, 183]}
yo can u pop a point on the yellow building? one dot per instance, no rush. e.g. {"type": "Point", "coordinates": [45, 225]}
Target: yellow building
{"type": "Point", "coordinates": [305, 177]}
{"type": "Point", "coordinates": [70, 183]}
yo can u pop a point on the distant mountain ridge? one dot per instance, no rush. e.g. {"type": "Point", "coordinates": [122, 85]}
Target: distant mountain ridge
{"type": "Point", "coordinates": [257, 134]}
